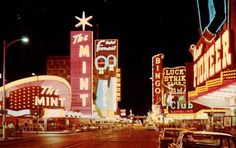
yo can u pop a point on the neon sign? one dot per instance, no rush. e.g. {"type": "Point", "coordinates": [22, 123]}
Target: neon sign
{"type": "Point", "coordinates": [36, 96]}
{"type": "Point", "coordinates": [49, 101]}
{"type": "Point", "coordinates": [106, 56]}
{"type": "Point", "coordinates": [212, 16]}
{"type": "Point", "coordinates": [81, 70]}
{"type": "Point", "coordinates": [209, 61]}
{"type": "Point", "coordinates": [180, 105]}
{"type": "Point", "coordinates": [156, 78]}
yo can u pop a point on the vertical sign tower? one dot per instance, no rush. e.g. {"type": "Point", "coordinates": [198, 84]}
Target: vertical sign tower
{"type": "Point", "coordinates": [81, 54]}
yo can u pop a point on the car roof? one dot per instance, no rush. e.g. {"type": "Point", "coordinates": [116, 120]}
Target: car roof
{"type": "Point", "coordinates": [207, 133]}
{"type": "Point", "coordinates": [175, 129]}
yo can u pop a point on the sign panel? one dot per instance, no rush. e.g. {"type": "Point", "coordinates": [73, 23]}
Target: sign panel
{"type": "Point", "coordinates": [157, 61]}
{"type": "Point", "coordinates": [106, 56]}
{"type": "Point", "coordinates": [214, 51]}
{"type": "Point", "coordinates": [174, 90]}
{"type": "Point", "coordinates": [211, 58]}
{"type": "Point", "coordinates": [37, 93]}
{"type": "Point", "coordinates": [81, 44]}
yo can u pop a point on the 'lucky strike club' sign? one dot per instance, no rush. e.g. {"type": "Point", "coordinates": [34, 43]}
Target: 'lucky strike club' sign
{"type": "Point", "coordinates": [106, 55]}
{"type": "Point", "coordinates": [81, 70]}
{"type": "Point", "coordinates": [174, 90]}
{"type": "Point", "coordinates": [157, 78]}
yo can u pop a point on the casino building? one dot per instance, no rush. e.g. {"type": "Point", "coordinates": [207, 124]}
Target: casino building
{"type": "Point", "coordinates": [38, 103]}
{"type": "Point", "coordinates": [214, 67]}
{"type": "Point", "coordinates": [211, 78]}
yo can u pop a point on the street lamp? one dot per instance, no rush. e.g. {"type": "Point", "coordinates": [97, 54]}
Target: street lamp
{"type": "Point", "coordinates": [5, 47]}
{"type": "Point", "coordinates": [37, 116]}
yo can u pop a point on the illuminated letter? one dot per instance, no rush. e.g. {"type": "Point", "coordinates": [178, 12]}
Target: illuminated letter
{"type": "Point", "coordinates": [39, 101]}
{"type": "Point", "coordinates": [84, 98]}
{"type": "Point", "coordinates": [50, 91]}
{"type": "Point", "coordinates": [172, 105]}
{"type": "Point", "coordinates": [157, 90]}
{"type": "Point", "coordinates": [206, 65]}
{"type": "Point", "coordinates": [157, 61]}
{"type": "Point", "coordinates": [44, 89]}
{"type": "Point", "coordinates": [62, 101]}
{"type": "Point", "coordinates": [84, 83]}
{"type": "Point", "coordinates": [212, 60]}
{"type": "Point", "coordinates": [157, 75]}
{"type": "Point", "coordinates": [47, 101]}
{"type": "Point", "coordinates": [54, 101]}
{"type": "Point", "coordinates": [84, 67]}
{"type": "Point", "coordinates": [84, 51]}
{"type": "Point", "coordinates": [190, 105]}
{"type": "Point", "coordinates": [218, 51]}
{"type": "Point", "coordinates": [226, 55]}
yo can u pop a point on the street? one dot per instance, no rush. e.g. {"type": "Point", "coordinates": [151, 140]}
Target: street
{"type": "Point", "coordinates": [137, 137]}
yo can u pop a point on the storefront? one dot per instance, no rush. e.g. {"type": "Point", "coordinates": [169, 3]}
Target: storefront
{"type": "Point", "coordinates": [214, 69]}
{"type": "Point", "coordinates": [37, 103]}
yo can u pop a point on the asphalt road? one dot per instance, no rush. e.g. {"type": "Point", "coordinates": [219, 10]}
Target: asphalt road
{"type": "Point", "coordinates": [111, 138]}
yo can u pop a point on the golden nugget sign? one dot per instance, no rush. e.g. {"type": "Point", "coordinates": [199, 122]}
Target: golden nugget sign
{"type": "Point", "coordinates": [156, 78]}
{"type": "Point", "coordinates": [211, 59]}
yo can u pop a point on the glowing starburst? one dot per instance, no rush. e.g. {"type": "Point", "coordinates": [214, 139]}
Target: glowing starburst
{"type": "Point", "coordinates": [83, 21]}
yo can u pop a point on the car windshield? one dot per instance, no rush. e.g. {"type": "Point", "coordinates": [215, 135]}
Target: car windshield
{"type": "Point", "coordinates": [171, 133]}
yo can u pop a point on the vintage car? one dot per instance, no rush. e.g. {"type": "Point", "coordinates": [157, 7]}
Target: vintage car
{"type": "Point", "coordinates": [151, 126]}
{"type": "Point", "coordinates": [204, 139]}
{"type": "Point", "coordinates": [168, 136]}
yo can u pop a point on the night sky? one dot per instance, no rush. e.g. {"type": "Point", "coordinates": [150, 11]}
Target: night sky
{"type": "Point", "coordinates": [143, 28]}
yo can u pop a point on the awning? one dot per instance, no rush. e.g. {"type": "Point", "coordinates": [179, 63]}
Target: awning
{"type": "Point", "coordinates": [222, 97]}
{"type": "Point", "coordinates": [217, 93]}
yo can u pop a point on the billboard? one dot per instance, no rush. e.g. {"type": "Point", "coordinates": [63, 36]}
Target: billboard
{"type": "Point", "coordinates": [213, 53]}
{"type": "Point", "coordinates": [106, 96]}
{"type": "Point", "coordinates": [174, 90]}
{"type": "Point", "coordinates": [38, 92]}
{"type": "Point", "coordinates": [81, 54]}
{"type": "Point", "coordinates": [106, 56]}
{"type": "Point", "coordinates": [157, 62]}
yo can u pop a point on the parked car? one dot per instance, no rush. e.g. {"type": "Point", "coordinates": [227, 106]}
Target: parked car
{"type": "Point", "coordinates": [204, 139]}
{"type": "Point", "coordinates": [151, 126]}
{"type": "Point", "coordinates": [168, 136]}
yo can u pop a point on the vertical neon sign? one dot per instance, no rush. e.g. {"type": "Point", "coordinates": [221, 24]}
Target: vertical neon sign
{"type": "Point", "coordinates": [81, 44]}
{"type": "Point", "coordinates": [157, 78]}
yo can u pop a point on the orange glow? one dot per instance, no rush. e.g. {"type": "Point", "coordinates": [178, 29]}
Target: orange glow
{"type": "Point", "coordinates": [54, 113]}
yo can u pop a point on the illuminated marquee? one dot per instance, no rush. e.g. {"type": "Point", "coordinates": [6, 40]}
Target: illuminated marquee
{"type": "Point", "coordinates": [38, 92]}
{"type": "Point", "coordinates": [174, 90]}
{"type": "Point", "coordinates": [211, 60]}
{"type": "Point", "coordinates": [156, 78]}
{"type": "Point", "coordinates": [36, 96]}
{"type": "Point", "coordinates": [81, 70]}
{"type": "Point", "coordinates": [106, 56]}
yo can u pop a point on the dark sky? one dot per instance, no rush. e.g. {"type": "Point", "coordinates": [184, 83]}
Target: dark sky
{"type": "Point", "coordinates": [143, 28]}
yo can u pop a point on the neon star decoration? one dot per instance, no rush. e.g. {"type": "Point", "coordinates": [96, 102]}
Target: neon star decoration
{"type": "Point", "coordinates": [83, 21]}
